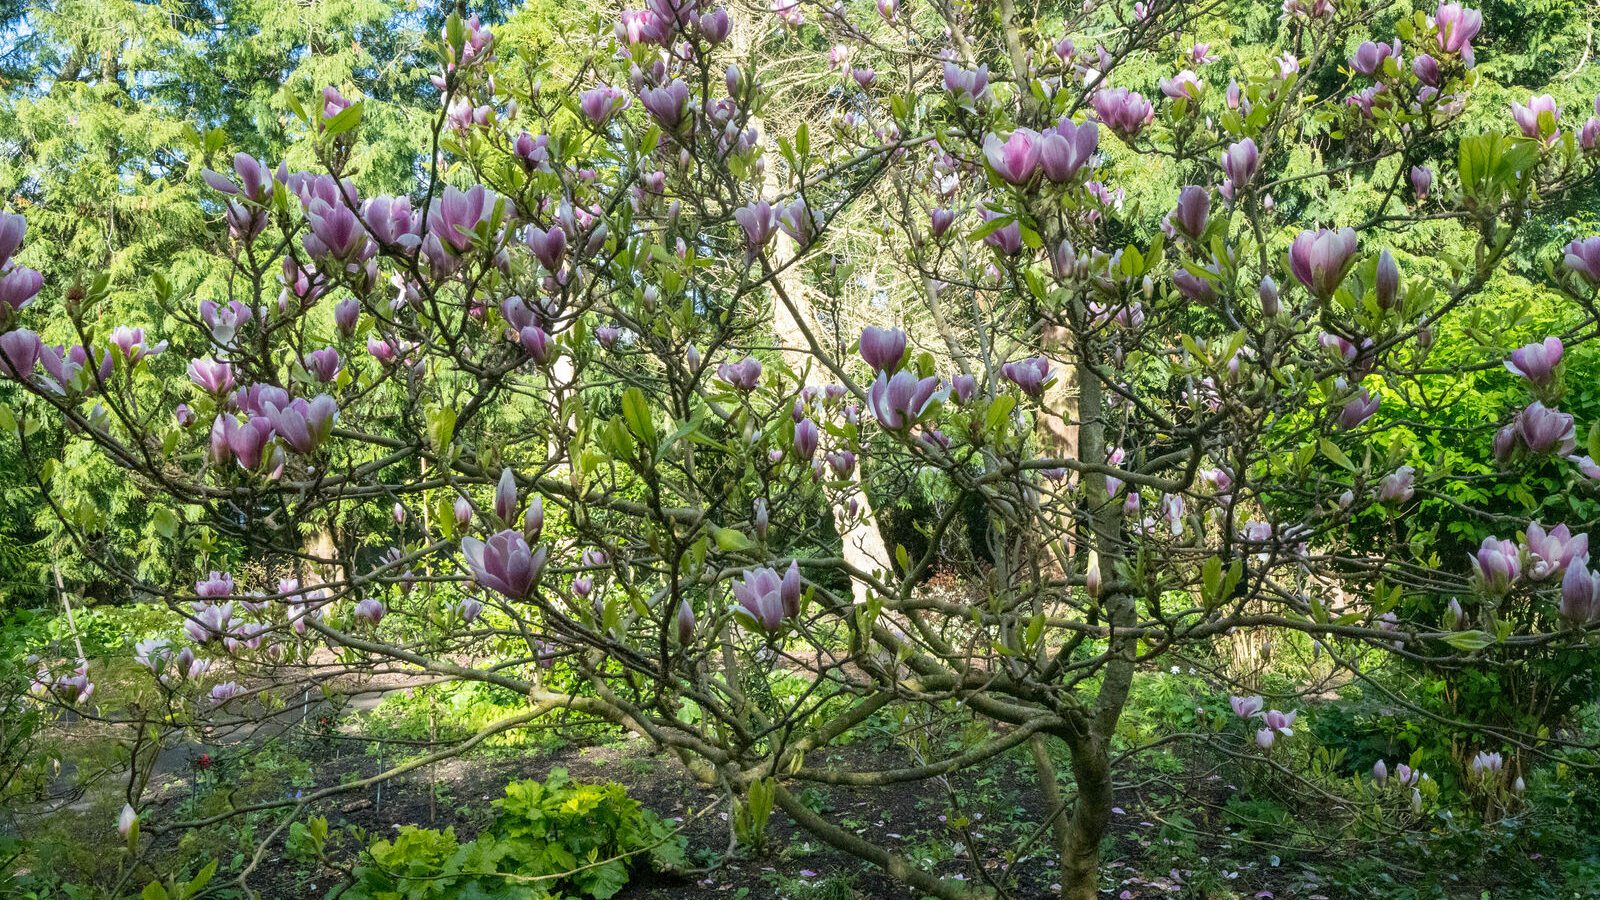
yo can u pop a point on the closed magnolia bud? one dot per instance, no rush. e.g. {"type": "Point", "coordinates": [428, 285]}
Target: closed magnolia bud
{"type": "Point", "coordinates": [685, 622]}
{"type": "Point", "coordinates": [805, 438]}
{"type": "Point", "coordinates": [345, 316]}
{"type": "Point", "coordinates": [369, 611]}
{"type": "Point", "coordinates": [759, 519]}
{"type": "Point", "coordinates": [1387, 280]}
{"type": "Point", "coordinates": [1453, 614]}
{"type": "Point", "coordinates": [463, 511]}
{"type": "Point", "coordinates": [505, 497]}
{"type": "Point", "coordinates": [1380, 772]}
{"type": "Point", "coordinates": [1421, 182]}
{"type": "Point", "coordinates": [1091, 579]}
{"type": "Point", "coordinates": [399, 514]}
{"type": "Point", "coordinates": [533, 520]}
{"type": "Point", "coordinates": [127, 821]}
{"type": "Point", "coordinates": [1268, 292]}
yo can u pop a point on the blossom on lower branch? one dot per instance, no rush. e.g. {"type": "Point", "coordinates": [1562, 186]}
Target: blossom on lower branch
{"type": "Point", "coordinates": [504, 563]}
{"type": "Point", "coordinates": [765, 599]}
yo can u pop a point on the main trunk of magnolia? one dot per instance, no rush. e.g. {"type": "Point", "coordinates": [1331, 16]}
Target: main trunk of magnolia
{"type": "Point", "coordinates": [1086, 827]}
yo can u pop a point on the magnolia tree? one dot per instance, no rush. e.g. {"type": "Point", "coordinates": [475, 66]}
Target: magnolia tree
{"type": "Point", "coordinates": [572, 403]}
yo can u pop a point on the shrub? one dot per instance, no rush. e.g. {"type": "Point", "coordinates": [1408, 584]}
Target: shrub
{"type": "Point", "coordinates": [551, 838]}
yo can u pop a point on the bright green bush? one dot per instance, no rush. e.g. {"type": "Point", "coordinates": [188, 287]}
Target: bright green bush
{"type": "Point", "coordinates": [560, 837]}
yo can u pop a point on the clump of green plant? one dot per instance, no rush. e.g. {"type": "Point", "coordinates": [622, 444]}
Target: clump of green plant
{"type": "Point", "coordinates": [556, 838]}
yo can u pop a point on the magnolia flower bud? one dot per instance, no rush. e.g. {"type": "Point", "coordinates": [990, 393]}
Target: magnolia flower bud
{"type": "Point", "coordinates": [127, 821]}
{"type": "Point", "coordinates": [346, 313]}
{"type": "Point", "coordinates": [533, 520]}
{"type": "Point", "coordinates": [1268, 292]}
{"type": "Point", "coordinates": [1386, 281]}
{"type": "Point", "coordinates": [505, 497]}
{"type": "Point", "coordinates": [369, 611]}
{"type": "Point", "coordinates": [1091, 578]}
{"type": "Point", "coordinates": [1421, 181]}
{"type": "Point", "coordinates": [759, 518]}
{"type": "Point", "coordinates": [685, 622]}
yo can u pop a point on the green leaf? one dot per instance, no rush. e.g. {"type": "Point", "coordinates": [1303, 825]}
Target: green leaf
{"type": "Point", "coordinates": [441, 427]}
{"type": "Point", "coordinates": [1332, 451]}
{"type": "Point", "coordinates": [1469, 640]}
{"type": "Point", "coordinates": [990, 227]}
{"type": "Point", "coordinates": [999, 412]}
{"type": "Point", "coordinates": [153, 891]}
{"type": "Point", "coordinates": [1211, 578]}
{"type": "Point", "coordinates": [636, 410]}
{"type": "Point", "coordinates": [346, 119]}
{"type": "Point", "coordinates": [164, 522]}
{"type": "Point", "coordinates": [199, 881]}
{"type": "Point", "coordinates": [1035, 628]}
{"type": "Point", "coordinates": [731, 540]}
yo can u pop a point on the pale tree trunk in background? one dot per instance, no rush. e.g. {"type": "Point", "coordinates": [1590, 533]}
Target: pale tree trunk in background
{"type": "Point", "coordinates": [1057, 425]}
{"type": "Point", "coordinates": [863, 546]}
{"type": "Point", "coordinates": [319, 545]}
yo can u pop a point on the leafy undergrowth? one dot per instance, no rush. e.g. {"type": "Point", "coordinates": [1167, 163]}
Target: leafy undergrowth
{"type": "Point", "coordinates": [1181, 829]}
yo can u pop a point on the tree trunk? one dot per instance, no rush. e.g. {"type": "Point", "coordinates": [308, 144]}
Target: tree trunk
{"type": "Point", "coordinates": [1057, 423]}
{"type": "Point", "coordinates": [1091, 813]}
{"type": "Point", "coordinates": [1091, 766]}
{"type": "Point", "coordinates": [863, 545]}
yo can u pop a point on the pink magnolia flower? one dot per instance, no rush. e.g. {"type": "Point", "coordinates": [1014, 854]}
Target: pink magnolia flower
{"type": "Point", "coordinates": [505, 563]}
{"type": "Point", "coordinates": [1125, 112]}
{"type": "Point", "coordinates": [19, 285]}
{"type": "Point", "coordinates": [883, 348]}
{"type": "Point", "coordinates": [1246, 707]}
{"type": "Point", "coordinates": [1497, 565]}
{"type": "Point", "coordinates": [759, 220]}
{"type": "Point", "coordinates": [1536, 362]}
{"type": "Point", "coordinates": [1032, 375]}
{"type": "Point", "coordinates": [1528, 117]}
{"type": "Point", "coordinates": [1583, 258]}
{"type": "Point", "coordinates": [1015, 159]}
{"type": "Point", "coordinates": [1543, 429]}
{"type": "Point", "coordinates": [1456, 27]}
{"type": "Point", "coordinates": [765, 599]}
{"type": "Point", "coordinates": [599, 104]}
{"type": "Point", "coordinates": [1580, 594]}
{"type": "Point", "coordinates": [19, 353]}
{"type": "Point", "coordinates": [1184, 85]}
{"type": "Point", "coordinates": [1552, 552]}
{"type": "Point", "coordinates": [1280, 722]}
{"type": "Point", "coordinates": [743, 375]}
{"type": "Point", "coordinates": [1320, 259]}
{"type": "Point", "coordinates": [897, 402]}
